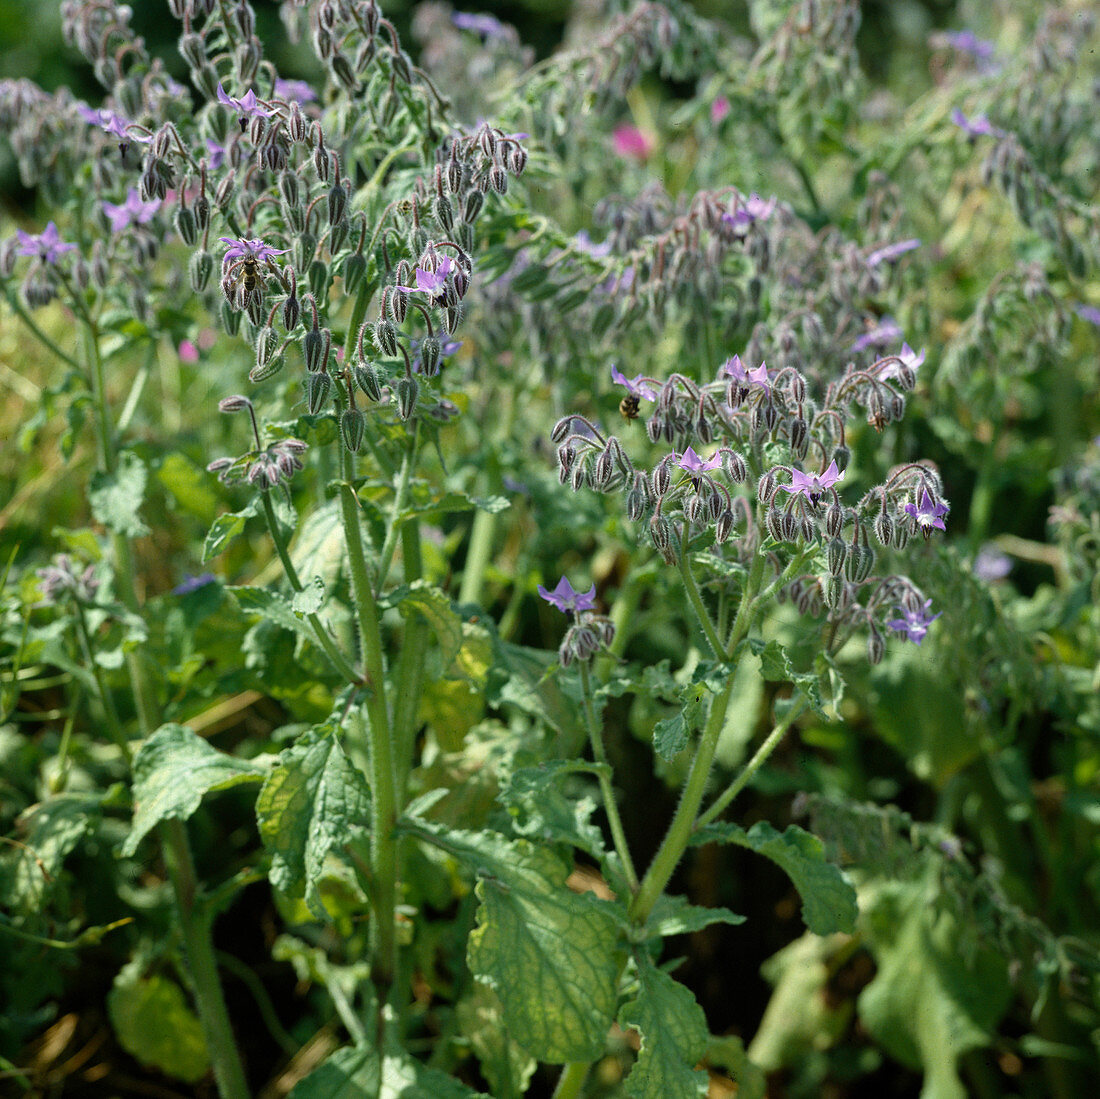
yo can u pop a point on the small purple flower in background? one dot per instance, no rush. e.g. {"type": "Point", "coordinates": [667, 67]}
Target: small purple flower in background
{"type": "Point", "coordinates": [928, 514]}
{"type": "Point", "coordinates": [113, 124]}
{"type": "Point", "coordinates": [884, 332]}
{"type": "Point", "coordinates": [965, 42]}
{"type": "Point", "coordinates": [633, 143]}
{"type": "Point", "coordinates": [737, 370]}
{"type": "Point", "coordinates": [512, 485]}
{"type": "Point", "coordinates": [636, 387]}
{"type": "Point", "coordinates": [247, 106]}
{"type": "Point", "coordinates": [254, 249]}
{"type": "Point", "coordinates": [566, 599]}
{"type": "Point", "coordinates": [294, 91]}
{"type": "Point", "coordinates": [193, 583]}
{"type": "Point", "coordinates": [188, 352]}
{"type": "Point", "coordinates": [487, 26]}
{"type": "Point", "coordinates": [891, 252]}
{"type": "Point", "coordinates": [719, 109]}
{"type": "Point", "coordinates": [977, 126]}
{"type": "Point", "coordinates": [691, 462]}
{"type": "Point", "coordinates": [582, 242]}
{"type": "Point", "coordinates": [46, 246]}
{"type": "Point", "coordinates": [813, 485]}
{"type": "Point", "coordinates": [991, 563]}
{"type": "Point", "coordinates": [215, 154]}
{"type": "Point", "coordinates": [913, 625]}
{"type": "Point", "coordinates": [749, 210]}
{"type": "Point", "coordinates": [1088, 313]}
{"type": "Point", "coordinates": [134, 211]}
{"type": "Point", "coordinates": [909, 358]}
{"type": "Point", "coordinates": [431, 282]}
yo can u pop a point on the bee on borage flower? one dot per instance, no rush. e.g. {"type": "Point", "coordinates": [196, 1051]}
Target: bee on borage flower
{"type": "Point", "coordinates": [243, 268]}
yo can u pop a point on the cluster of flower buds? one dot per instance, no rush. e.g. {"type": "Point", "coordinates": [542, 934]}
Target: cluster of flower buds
{"type": "Point", "coordinates": [264, 467]}
{"type": "Point", "coordinates": [589, 631]}
{"type": "Point", "coordinates": [63, 577]}
{"type": "Point", "coordinates": [770, 480]}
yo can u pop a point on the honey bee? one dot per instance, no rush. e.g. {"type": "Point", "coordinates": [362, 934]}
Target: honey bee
{"type": "Point", "coordinates": [629, 407]}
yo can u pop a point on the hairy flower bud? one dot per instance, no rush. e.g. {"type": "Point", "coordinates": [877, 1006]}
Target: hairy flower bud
{"type": "Point", "coordinates": [859, 563]}
{"type": "Point", "coordinates": [884, 527]}
{"type": "Point", "coordinates": [337, 203]}
{"type": "Point", "coordinates": [836, 552]}
{"type": "Point", "coordinates": [842, 455]}
{"type": "Point", "coordinates": [186, 225]}
{"type": "Point", "coordinates": [472, 206]}
{"type": "Point", "coordinates": [368, 379]}
{"type": "Point", "coordinates": [834, 519]}
{"type": "Point", "coordinates": [318, 387]}
{"type": "Point", "coordinates": [723, 526]}
{"type": "Point", "coordinates": [831, 592]}
{"type": "Point", "coordinates": [660, 532]}
{"type": "Point", "coordinates": [876, 646]}
{"type": "Point", "coordinates": [773, 523]}
{"type": "Point", "coordinates": [603, 471]}
{"type": "Point", "coordinates": [407, 391]}
{"type": "Point", "coordinates": [800, 437]}
{"type": "Point", "coordinates": [766, 487]}
{"type": "Point", "coordinates": [385, 337]}
{"type": "Point", "coordinates": [353, 426]}
{"type": "Point", "coordinates": [316, 345]}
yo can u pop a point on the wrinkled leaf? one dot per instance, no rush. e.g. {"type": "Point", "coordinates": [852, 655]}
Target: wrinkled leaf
{"type": "Point", "coordinates": [116, 498]}
{"type": "Point", "coordinates": [173, 770]}
{"type": "Point", "coordinates": [674, 1037]}
{"type": "Point", "coordinates": [828, 899]}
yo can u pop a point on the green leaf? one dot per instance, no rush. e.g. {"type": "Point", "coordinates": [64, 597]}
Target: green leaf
{"type": "Point", "coordinates": [671, 735]}
{"type": "Point", "coordinates": [539, 809]}
{"type": "Point", "coordinates": [274, 608]}
{"type": "Point", "coordinates": [677, 916]}
{"type": "Point", "coordinates": [310, 598]}
{"type": "Point", "coordinates": [674, 1036]}
{"type": "Point", "coordinates": [775, 665]}
{"type": "Point", "coordinates": [190, 486]}
{"type": "Point", "coordinates": [154, 1024]}
{"type": "Point", "coordinates": [430, 601]}
{"type": "Point", "coordinates": [927, 1005]}
{"type": "Point", "coordinates": [47, 832]}
{"type": "Point", "coordinates": [349, 1073]}
{"type": "Point", "coordinates": [406, 1078]}
{"type": "Point", "coordinates": [173, 770]}
{"type": "Point", "coordinates": [480, 1017]}
{"type": "Point", "coordinates": [550, 954]}
{"type": "Point", "coordinates": [312, 804]}
{"type": "Point", "coordinates": [828, 899]}
{"type": "Point", "coordinates": [117, 497]}
{"type": "Point", "coordinates": [224, 529]}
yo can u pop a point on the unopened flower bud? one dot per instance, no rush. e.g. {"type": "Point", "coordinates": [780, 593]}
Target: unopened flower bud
{"type": "Point", "coordinates": [368, 379]}
{"type": "Point", "coordinates": [407, 391]}
{"type": "Point", "coordinates": [316, 345]}
{"type": "Point", "coordinates": [186, 225]}
{"type": "Point", "coordinates": [267, 344]}
{"type": "Point", "coordinates": [800, 438]}
{"type": "Point", "coordinates": [578, 476]}
{"type": "Point", "coordinates": [517, 159]}
{"type": "Point", "coordinates": [841, 456]}
{"type": "Point", "coordinates": [561, 429]}
{"type": "Point", "coordinates": [235, 403]}
{"type": "Point", "coordinates": [723, 526]}
{"type": "Point", "coordinates": [831, 591]}
{"type": "Point", "coordinates": [353, 425]}
{"type": "Point", "coordinates": [662, 478]}
{"type": "Point", "coordinates": [834, 519]}
{"type": "Point", "coordinates": [859, 563]}
{"type": "Point", "coordinates": [337, 203]}
{"type": "Point", "coordinates": [790, 526]}
{"type": "Point", "coordinates": [766, 487]}
{"type": "Point", "coordinates": [472, 206]}
{"type": "Point", "coordinates": [230, 318]}
{"type": "Point", "coordinates": [735, 467]}
{"type": "Point", "coordinates": [317, 388]}
{"type": "Point", "coordinates": [353, 270]}
{"type": "Point", "coordinates": [836, 552]}
{"type": "Point", "coordinates": [884, 527]}
{"type": "Point", "coordinates": [430, 350]}
{"type": "Point", "coordinates": [773, 522]}
{"type": "Point", "coordinates": [660, 532]}
{"type": "Point", "coordinates": [876, 646]}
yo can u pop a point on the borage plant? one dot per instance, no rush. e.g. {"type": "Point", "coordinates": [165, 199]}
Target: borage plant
{"type": "Point", "coordinates": [400, 302]}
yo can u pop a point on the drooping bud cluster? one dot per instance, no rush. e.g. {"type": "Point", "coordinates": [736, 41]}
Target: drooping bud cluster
{"type": "Point", "coordinates": [769, 481]}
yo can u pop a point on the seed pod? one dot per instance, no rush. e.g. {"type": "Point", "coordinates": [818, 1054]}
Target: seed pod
{"type": "Point", "coordinates": [407, 391]}
{"type": "Point", "coordinates": [353, 425]}
{"type": "Point", "coordinates": [200, 269]}
{"type": "Point", "coordinates": [385, 338]}
{"type": "Point", "coordinates": [316, 345]}
{"type": "Point", "coordinates": [318, 387]}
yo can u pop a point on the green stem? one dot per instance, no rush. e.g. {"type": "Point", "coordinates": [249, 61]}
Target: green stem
{"type": "Point", "coordinates": [758, 760]}
{"type": "Point", "coordinates": [410, 665]}
{"type": "Point", "coordinates": [32, 327]}
{"type": "Point", "coordinates": [571, 1081]}
{"type": "Point", "coordinates": [478, 555]}
{"type": "Point", "coordinates": [683, 822]}
{"type": "Point", "coordinates": [400, 499]}
{"type": "Point", "coordinates": [692, 589]}
{"type": "Point", "coordinates": [383, 778]}
{"type": "Point", "coordinates": [603, 773]}
{"type": "Point", "coordinates": [114, 726]}
{"type": "Point", "coordinates": [339, 661]}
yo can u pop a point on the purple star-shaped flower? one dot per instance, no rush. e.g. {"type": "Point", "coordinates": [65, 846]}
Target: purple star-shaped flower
{"type": "Point", "coordinates": [566, 599]}
{"type": "Point", "coordinates": [247, 106]}
{"type": "Point", "coordinates": [486, 25]}
{"type": "Point", "coordinates": [46, 246]}
{"type": "Point", "coordinates": [294, 91]}
{"type": "Point", "coordinates": [1088, 313]}
{"type": "Point", "coordinates": [891, 252]}
{"type": "Point", "coordinates": [431, 282]}
{"type": "Point", "coordinates": [691, 461]}
{"type": "Point", "coordinates": [134, 211]}
{"type": "Point", "coordinates": [913, 625]}
{"type": "Point", "coordinates": [977, 126]}
{"type": "Point", "coordinates": [910, 358]}
{"type": "Point", "coordinates": [242, 249]}
{"type": "Point", "coordinates": [885, 331]}
{"type": "Point", "coordinates": [737, 370]}
{"type": "Point", "coordinates": [111, 123]}
{"type": "Point", "coordinates": [636, 386]}
{"type": "Point", "coordinates": [813, 485]}
{"type": "Point", "coordinates": [929, 513]}
{"type": "Point", "coordinates": [753, 208]}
